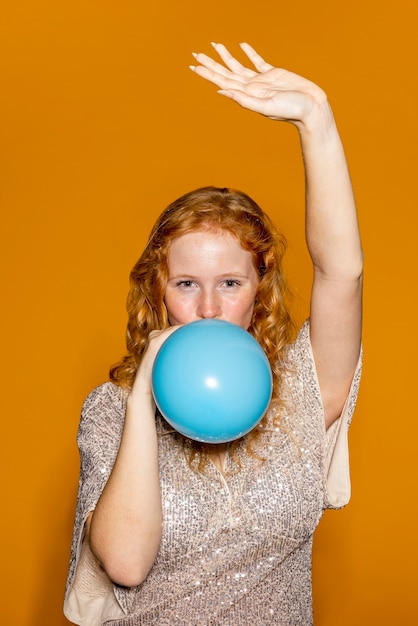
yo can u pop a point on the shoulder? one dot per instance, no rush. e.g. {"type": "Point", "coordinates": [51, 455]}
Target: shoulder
{"type": "Point", "coordinates": [103, 411]}
{"type": "Point", "coordinates": [105, 395]}
{"type": "Point", "coordinates": [300, 350]}
{"type": "Point", "coordinates": [300, 379]}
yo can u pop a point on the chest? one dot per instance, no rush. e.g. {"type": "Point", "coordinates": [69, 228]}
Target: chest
{"type": "Point", "coordinates": [276, 500]}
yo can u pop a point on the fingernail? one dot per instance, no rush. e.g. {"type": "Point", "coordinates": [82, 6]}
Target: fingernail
{"type": "Point", "coordinates": [212, 43]}
{"type": "Point", "coordinates": [194, 54]}
{"type": "Point", "coordinates": [192, 67]}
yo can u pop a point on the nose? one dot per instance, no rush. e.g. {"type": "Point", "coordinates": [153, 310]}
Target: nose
{"type": "Point", "coordinates": [209, 305]}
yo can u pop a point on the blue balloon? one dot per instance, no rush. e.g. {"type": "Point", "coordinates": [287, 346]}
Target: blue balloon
{"type": "Point", "coordinates": [212, 381]}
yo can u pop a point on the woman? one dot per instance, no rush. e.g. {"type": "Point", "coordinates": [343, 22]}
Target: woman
{"type": "Point", "coordinates": [173, 532]}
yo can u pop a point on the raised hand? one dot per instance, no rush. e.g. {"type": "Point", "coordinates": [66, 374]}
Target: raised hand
{"type": "Point", "coordinates": [270, 91]}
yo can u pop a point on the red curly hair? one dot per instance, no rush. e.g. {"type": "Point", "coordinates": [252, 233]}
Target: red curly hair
{"type": "Point", "coordinates": [215, 209]}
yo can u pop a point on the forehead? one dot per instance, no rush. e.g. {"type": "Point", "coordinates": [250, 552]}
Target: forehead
{"type": "Point", "coordinates": [208, 238]}
{"type": "Point", "coordinates": [203, 246]}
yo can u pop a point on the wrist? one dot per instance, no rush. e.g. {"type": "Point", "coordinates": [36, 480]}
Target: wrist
{"type": "Point", "coordinates": [141, 395]}
{"type": "Point", "coordinates": [318, 118]}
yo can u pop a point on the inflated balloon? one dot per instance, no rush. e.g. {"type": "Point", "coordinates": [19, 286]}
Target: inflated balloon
{"type": "Point", "coordinates": [212, 381]}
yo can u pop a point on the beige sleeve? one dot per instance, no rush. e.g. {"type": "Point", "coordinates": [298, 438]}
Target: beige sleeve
{"type": "Point", "coordinates": [336, 461]}
{"type": "Point", "coordinates": [91, 599]}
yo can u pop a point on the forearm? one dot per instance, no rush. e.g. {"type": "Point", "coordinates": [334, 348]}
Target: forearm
{"type": "Point", "coordinates": [125, 530]}
{"type": "Point", "coordinates": [332, 232]}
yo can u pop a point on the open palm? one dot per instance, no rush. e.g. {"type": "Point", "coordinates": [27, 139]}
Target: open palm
{"type": "Point", "coordinates": [270, 91]}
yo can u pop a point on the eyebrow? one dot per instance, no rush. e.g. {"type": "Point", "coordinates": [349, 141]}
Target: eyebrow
{"type": "Point", "coordinates": [223, 275]}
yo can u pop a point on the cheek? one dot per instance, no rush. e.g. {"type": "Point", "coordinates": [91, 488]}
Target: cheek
{"type": "Point", "coordinates": [177, 308]}
{"type": "Point", "coordinates": [242, 311]}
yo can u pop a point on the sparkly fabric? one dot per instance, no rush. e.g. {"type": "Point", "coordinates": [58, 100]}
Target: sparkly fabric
{"type": "Point", "coordinates": [236, 549]}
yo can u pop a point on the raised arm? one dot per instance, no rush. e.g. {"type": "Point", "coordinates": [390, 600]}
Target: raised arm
{"type": "Point", "coordinates": [331, 222]}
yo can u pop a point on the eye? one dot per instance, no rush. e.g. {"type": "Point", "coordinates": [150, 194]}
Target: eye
{"type": "Point", "coordinates": [184, 284]}
{"type": "Point", "coordinates": [231, 282]}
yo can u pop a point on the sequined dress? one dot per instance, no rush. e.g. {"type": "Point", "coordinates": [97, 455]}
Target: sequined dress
{"type": "Point", "coordinates": [236, 547]}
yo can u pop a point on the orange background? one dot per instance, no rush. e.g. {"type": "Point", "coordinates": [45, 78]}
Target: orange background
{"type": "Point", "coordinates": [103, 125]}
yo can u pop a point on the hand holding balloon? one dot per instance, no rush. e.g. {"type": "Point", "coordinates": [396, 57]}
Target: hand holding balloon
{"type": "Point", "coordinates": [212, 381]}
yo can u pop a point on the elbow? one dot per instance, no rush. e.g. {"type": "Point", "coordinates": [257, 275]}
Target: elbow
{"type": "Point", "coordinates": [125, 575]}
{"type": "Point", "coordinates": [359, 267]}
{"type": "Point", "coordinates": [125, 561]}
{"type": "Point", "coordinates": [345, 267]}
{"type": "Point", "coordinates": [129, 566]}
{"type": "Point", "coordinates": [128, 571]}
{"type": "Point", "coordinates": [350, 277]}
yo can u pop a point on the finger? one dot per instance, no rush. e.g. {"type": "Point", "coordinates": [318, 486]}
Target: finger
{"type": "Point", "coordinates": [259, 63]}
{"type": "Point", "coordinates": [211, 65]}
{"type": "Point", "coordinates": [223, 80]}
{"type": "Point", "coordinates": [157, 337]}
{"type": "Point", "coordinates": [231, 62]}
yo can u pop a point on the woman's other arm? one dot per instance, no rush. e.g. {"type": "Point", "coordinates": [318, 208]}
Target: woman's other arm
{"type": "Point", "coordinates": [332, 232]}
{"type": "Point", "coordinates": [125, 528]}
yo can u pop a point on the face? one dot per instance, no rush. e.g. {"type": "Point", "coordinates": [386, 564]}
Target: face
{"type": "Point", "coordinates": [210, 276]}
